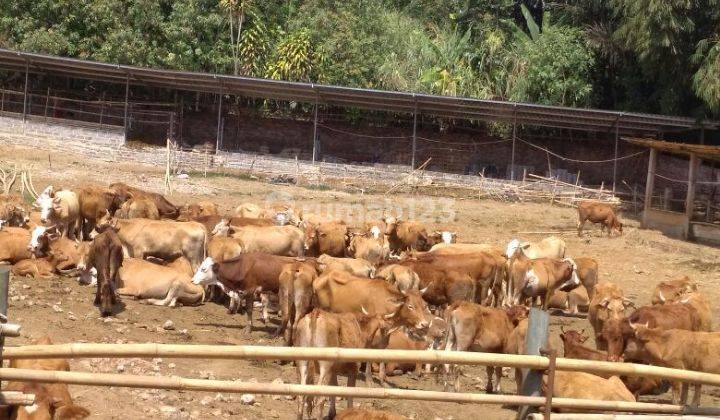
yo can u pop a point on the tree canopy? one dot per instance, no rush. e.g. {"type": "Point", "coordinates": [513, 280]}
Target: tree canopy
{"type": "Point", "coordinates": [636, 55]}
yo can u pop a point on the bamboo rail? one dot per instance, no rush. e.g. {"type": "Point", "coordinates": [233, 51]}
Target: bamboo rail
{"type": "Point", "coordinates": [197, 351]}
{"type": "Point", "coordinates": [16, 398]}
{"type": "Point", "coordinates": [186, 384]}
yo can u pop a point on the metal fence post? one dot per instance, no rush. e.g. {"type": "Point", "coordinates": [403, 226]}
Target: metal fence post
{"type": "Point", "coordinates": [27, 73]}
{"type": "Point", "coordinates": [314, 148]}
{"type": "Point", "coordinates": [414, 137]}
{"type": "Point", "coordinates": [537, 338]}
{"type": "Point", "coordinates": [512, 155]}
{"type": "Point", "coordinates": [217, 139]}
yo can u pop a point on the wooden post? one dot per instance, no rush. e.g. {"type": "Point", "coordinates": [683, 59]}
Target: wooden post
{"type": "Point", "coordinates": [314, 145]}
{"type": "Point", "coordinates": [217, 137]}
{"type": "Point", "coordinates": [47, 101]}
{"type": "Point", "coordinates": [537, 338]}
{"type": "Point", "coordinates": [414, 137]}
{"type": "Point", "coordinates": [690, 199]}
{"type": "Point", "coordinates": [514, 136]}
{"type": "Point", "coordinates": [615, 161]}
{"type": "Point", "coordinates": [102, 107]}
{"type": "Point", "coordinates": [27, 73]}
{"type": "Point", "coordinates": [125, 116]}
{"type": "Point", "coordinates": [2, 102]}
{"type": "Point", "coordinates": [649, 185]}
{"type": "Point", "coordinates": [702, 134]}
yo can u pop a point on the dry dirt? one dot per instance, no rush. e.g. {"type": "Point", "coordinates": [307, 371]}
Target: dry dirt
{"type": "Point", "coordinates": [63, 309]}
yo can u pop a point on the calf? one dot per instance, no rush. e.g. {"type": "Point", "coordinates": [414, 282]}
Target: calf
{"type": "Point", "coordinates": [368, 248]}
{"type": "Point", "coordinates": [14, 245]}
{"type": "Point", "coordinates": [44, 267]}
{"type": "Point", "coordinates": [354, 266]}
{"type": "Point", "coordinates": [44, 241]}
{"type": "Point", "coordinates": [326, 238]}
{"type": "Point", "coordinates": [95, 203]}
{"type": "Point", "coordinates": [583, 385]}
{"type": "Point", "coordinates": [105, 255]}
{"type": "Point", "coordinates": [138, 208]}
{"type": "Point", "coordinates": [574, 349]}
{"type": "Point", "coordinates": [601, 213]}
{"type": "Point", "coordinates": [405, 235]}
{"type": "Point", "coordinates": [608, 303]}
{"type": "Point", "coordinates": [61, 209]}
{"type": "Point", "coordinates": [681, 349]}
{"type": "Point", "coordinates": [248, 274]}
{"type": "Point", "coordinates": [52, 401]}
{"type": "Point", "coordinates": [295, 296]}
{"type": "Point", "coordinates": [325, 329]}
{"type": "Point", "coordinates": [472, 327]}
{"type": "Point", "coordinates": [672, 290]}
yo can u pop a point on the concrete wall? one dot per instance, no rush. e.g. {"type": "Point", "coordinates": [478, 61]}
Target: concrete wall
{"type": "Point", "coordinates": [63, 134]}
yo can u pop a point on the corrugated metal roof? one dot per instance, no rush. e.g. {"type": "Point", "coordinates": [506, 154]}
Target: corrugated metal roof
{"type": "Point", "coordinates": [441, 106]}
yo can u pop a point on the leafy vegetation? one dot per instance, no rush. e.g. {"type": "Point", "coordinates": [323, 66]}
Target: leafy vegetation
{"type": "Point", "coordinates": [640, 55]}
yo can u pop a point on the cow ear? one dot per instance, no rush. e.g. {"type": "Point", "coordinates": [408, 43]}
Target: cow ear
{"type": "Point", "coordinates": [215, 267]}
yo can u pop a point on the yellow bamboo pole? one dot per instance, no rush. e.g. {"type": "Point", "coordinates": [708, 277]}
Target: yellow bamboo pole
{"type": "Point", "coordinates": [186, 384]}
{"type": "Point", "coordinates": [16, 398]}
{"type": "Point", "coordinates": [197, 351]}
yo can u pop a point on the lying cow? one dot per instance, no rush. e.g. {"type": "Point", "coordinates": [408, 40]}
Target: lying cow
{"type": "Point", "coordinates": [60, 208]}
{"type": "Point", "coordinates": [166, 209]}
{"type": "Point", "coordinates": [13, 211]}
{"type": "Point", "coordinates": [44, 267]}
{"type": "Point", "coordinates": [160, 285]}
{"type": "Point", "coordinates": [354, 266]}
{"type": "Point", "coordinates": [583, 385]}
{"type": "Point", "coordinates": [405, 339]}
{"type": "Point", "coordinates": [601, 213]}
{"type": "Point", "coordinates": [358, 414]}
{"type": "Point", "coordinates": [672, 290]}
{"type": "Point", "coordinates": [14, 245]}
{"type": "Point", "coordinates": [192, 211]}
{"type": "Point", "coordinates": [574, 349]}
{"type": "Point", "coordinates": [325, 329]}
{"type": "Point", "coordinates": [52, 401]}
{"type": "Point", "coordinates": [44, 241]}
{"type": "Point", "coordinates": [572, 302]}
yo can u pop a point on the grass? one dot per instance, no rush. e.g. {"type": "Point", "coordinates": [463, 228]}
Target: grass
{"type": "Point", "coordinates": [318, 187]}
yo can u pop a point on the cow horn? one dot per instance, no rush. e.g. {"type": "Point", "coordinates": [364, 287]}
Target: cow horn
{"type": "Point", "coordinates": [364, 311]}
{"type": "Point", "coordinates": [605, 302]}
{"type": "Point", "coordinates": [686, 300]}
{"type": "Point", "coordinates": [422, 291]}
{"type": "Point", "coordinates": [661, 296]}
{"type": "Point", "coordinates": [390, 315]}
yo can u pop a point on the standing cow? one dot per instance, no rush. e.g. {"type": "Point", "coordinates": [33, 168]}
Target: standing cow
{"type": "Point", "coordinates": [105, 255]}
{"type": "Point", "coordinates": [60, 208]}
{"type": "Point", "coordinates": [601, 213]}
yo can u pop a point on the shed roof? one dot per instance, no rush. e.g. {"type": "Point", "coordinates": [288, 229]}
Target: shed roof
{"type": "Point", "coordinates": [627, 123]}
{"type": "Point", "coordinates": [702, 151]}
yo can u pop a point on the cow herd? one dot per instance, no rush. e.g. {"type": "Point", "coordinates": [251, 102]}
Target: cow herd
{"type": "Point", "coordinates": [388, 284]}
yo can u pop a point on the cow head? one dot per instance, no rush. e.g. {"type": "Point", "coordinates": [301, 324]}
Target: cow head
{"type": "Point", "coordinates": [311, 236]}
{"type": "Point", "coordinates": [47, 406]}
{"type": "Point", "coordinates": [390, 224]}
{"type": "Point", "coordinates": [47, 203]}
{"type": "Point", "coordinates": [376, 329]}
{"type": "Point", "coordinates": [412, 312]}
{"type": "Point", "coordinates": [40, 238]}
{"type": "Point", "coordinates": [517, 313]}
{"type": "Point", "coordinates": [222, 228]}
{"type": "Point", "coordinates": [206, 274]}
{"type": "Point", "coordinates": [106, 222]}
{"type": "Point", "coordinates": [572, 336]}
{"type": "Point", "coordinates": [513, 247]}
{"type": "Point", "coordinates": [616, 332]}
{"type": "Point", "coordinates": [572, 280]}
{"type": "Point", "coordinates": [618, 226]}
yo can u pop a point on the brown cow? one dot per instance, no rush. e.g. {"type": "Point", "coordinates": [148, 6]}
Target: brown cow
{"type": "Point", "coordinates": [160, 285]}
{"type": "Point", "coordinates": [700, 303]}
{"type": "Point", "coordinates": [192, 211]}
{"type": "Point", "coordinates": [442, 285]}
{"type": "Point", "coordinates": [405, 235]}
{"type": "Point", "coordinates": [167, 209]}
{"type": "Point", "coordinates": [210, 222]}
{"type": "Point", "coordinates": [326, 329]}
{"type": "Point", "coordinates": [14, 245]}
{"type": "Point", "coordinates": [574, 349]}
{"type": "Point", "coordinates": [44, 240]}
{"type": "Point", "coordinates": [95, 202]}
{"type": "Point", "coordinates": [405, 339]}
{"type": "Point", "coordinates": [472, 327]}
{"type": "Point", "coordinates": [583, 385]}
{"type": "Point", "coordinates": [608, 303]}
{"type": "Point", "coordinates": [338, 291]}
{"type": "Point", "coordinates": [672, 290]}
{"type": "Point", "coordinates": [572, 302]}
{"type": "Point", "coordinates": [541, 278]}
{"type": "Point", "coordinates": [105, 255]}
{"type": "Point", "coordinates": [13, 211]}
{"type": "Point", "coordinates": [405, 278]}
{"type": "Point", "coordinates": [249, 274]}
{"type": "Point", "coordinates": [138, 208]}
{"type": "Point", "coordinates": [354, 266]}
{"type": "Point", "coordinates": [368, 248]}
{"type": "Point", "coordinates": [601, 213]}
{"type": "Point", "coordinates": [295, 296]}
{"type": "Point", "coordinates": [44, 267]}
{"type": "Point", "coordinates": [358, 414]}
{"type": "Point", "coordinates": [52, 401]}
{"type": "Point", "coordinates": [681, 349]}
{"type": "Point", "coordinates": [326, 238]}
{"type": "Point", "coordinates": [276, 240]}
{"type": "Point", "coordinates": [620, 336]}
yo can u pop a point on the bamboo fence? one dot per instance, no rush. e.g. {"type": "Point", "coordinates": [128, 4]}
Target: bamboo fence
{"type": "Point", "coordinates": [196, 351]}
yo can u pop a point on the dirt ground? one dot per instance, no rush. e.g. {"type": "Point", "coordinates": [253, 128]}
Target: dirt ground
{"type": "Point", "coordinates": [63, 309]}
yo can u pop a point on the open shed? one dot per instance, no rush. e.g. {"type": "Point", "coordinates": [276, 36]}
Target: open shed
{"type": "Point", "coordinates": [693, 215]}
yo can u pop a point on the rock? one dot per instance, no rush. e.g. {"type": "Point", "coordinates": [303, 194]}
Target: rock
{"type": "Point", "coordinates": [247, 399]}
{"type": "Point", "coordinates": [219, 397]}
{"type": "Point", "coordinates": [206, 375]}
{"type": "Point", "coordinates": [216, 412]}
{"type": "Point", "coordinates": [207, 400]}
{"type": "Point", "coordinates": [29, 303]}
{"type": "Point", "coordinates": [168, 409]}
{"type": "Point", "coordinates": [274, 414]}
{"type": "Point", "coordinates": [169, 325]}
{"type": "Point", "coordinates": [120, 367]}
{"type": "Point", "coordinates": [67, 290]}
{"type": "Point", "coordinates": [171, 365]}
{"type": "Point", "coordinates": [25, 286]}
{"type": "Point", "coordinates": [107, 320]}
{"type": "Point", "coordinates": [71, 316]}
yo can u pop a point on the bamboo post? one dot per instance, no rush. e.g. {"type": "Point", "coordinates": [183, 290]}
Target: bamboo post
{"type": "Point", "coordinates": [649, 185]}
{"type": "Point", "coordinates": [102, 107]}
{"type": "Point", "coordinates": [617, 141]}
{"type": "Point", "coordinates": [47, 102]}
{"type": "Point", "coordinates": [514, 137]}
{"type": "Point", "coordinates": [186, 384]}
{"type": "Point", "coordinates": [125, 114]}
{"type": "Point", "coordinates": [16, 398]}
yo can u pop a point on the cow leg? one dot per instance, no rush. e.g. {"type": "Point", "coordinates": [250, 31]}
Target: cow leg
{"type": "Point", "coordinates": [696, 395]}
{"type": "Point", "coordinates": [581, 224]}
{"type": "Point", "coordinates": [498, 376]}
{"type": "Point", "coordinates": [265, 301]}
{"type": "Point", "coordinates": [303, 401]}
{"type": "Point", "coordinates": [489, 385]}
{"type": "Point", "coordinates": [323, 379]}
{"type": "Point", "coordinates": [518, 380]}
{"type": "Point", "coordinates": [368, 375]}
{"type": "Point", "coordinates": [352, 377]}
{"type": "Point", "coordinates": [684, 388]}
{"type": "Point", "coordinates": [249, 310]}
